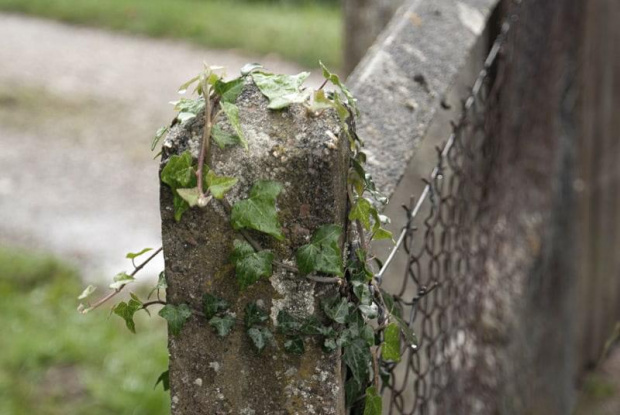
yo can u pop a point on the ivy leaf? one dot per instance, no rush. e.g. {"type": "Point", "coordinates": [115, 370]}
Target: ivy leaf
{"type": "Point", "coordinates": [254, 315]}
{"type": "Point", "coordinates": [183, 88]}
{"type": "Point", "coordinates": [294, 345]}
{"type": "Point", "coordinates": [335, 79]}
{"type": "Point", "coordinates": [311, 326]}
{"type": "Point", "coordinates": [132, 255]}
{"type": "Point", "coordinates": [87, 292]}
{"type": "Point", "coordinates": [223, 325]}
{"type": "Point", "coordinates": [161, 284]}
{"type": "Point", "coordinates": [250, 266]}
{"type": "Point", "coordinates": [248, 68]}
{"type": "Point", "coordinates": [410, 336]}
{"type": "Point", "coordinates": [361, 211]}
{"type": "Point", "coordinates": [320, 102]}
{"type": "Point", "coordinates": [126, 310]}
{"type": "Point", "coordinates": [211, 305]}
{"type": "Point", "coordinates": [373, 402]}
{"type": "Point", "coordinates": [353, 391]}
{"type": "Point", "coordinates": [260, 336]}
{"type": "Point", "coordinates": [188, 108]}
{"type": "Point", "coordinates": [259, 212]}
{"type": "Point", "coordinates": [336, 308]}
{"type": "Point", "coordinates": [229, 91]}
{"type": "Point", "coordinates": [287, 324]}
{"type": "Point", "coordinates": [164, 378]}
{"type": "Point", "coordinates": [232, 113]}
{"type": "Point", "coordinates": [369, 311]}
{"type": "Point", "coordinates": [382, 234]}
{"type": "Point", "coordinates": [358, 359]}
{"type": "Point", "coordinates": [121, 279]}
{"type": "Point", "coordinates": [220, 185]}
{"type": "Point", "coordinates": [391, 345]}
{"type": "Point", "coordinates": [329, 345]}
{"type": "Point", "coordinates": [362, 292]}
{"type": "Point", "coordinates": [224, 139]}
{"type": "Point", "coordinates": [190, 196]}
{"type": "Point", "coordinates": [158, 135]}
{"type": "Point", "coordinates": [323, 253]}
{"type": "Point", "coordinates": [176, 316]}
{"type": "Point", "coordinates": [179, 173]}
{"type": "Point", "coordinates": [281, 90]}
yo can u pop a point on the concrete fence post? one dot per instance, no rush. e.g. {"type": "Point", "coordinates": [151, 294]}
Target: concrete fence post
{"type": "Point", "coordinates": [212, 375]}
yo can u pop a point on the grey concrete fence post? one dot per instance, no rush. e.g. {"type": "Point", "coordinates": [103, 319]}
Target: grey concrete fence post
{"type": "Point", "coordinates": [211, 375]}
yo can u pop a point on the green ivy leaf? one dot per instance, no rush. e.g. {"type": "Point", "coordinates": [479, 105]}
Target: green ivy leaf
{"type": "Point", "coordinates": [250, 266]}
{"type": "Point", "coordinates": [161, 284]}
{"type": "Point", "coordinates": [224, 139]}
{"type": "Point", "coordinates": [164, 378]}
{"type": "Point", "coordinates": [259, 212]}
{"type": "Point", "coordinates": [229, 91]}
{"type": "Point", "coordinates": [323, 253]}
{"type": "Point", "coordinates": [232, 113]}
{"type": "Point", "coordinates": [287, 324]}
{"type": "Point", "coordinates": [320, 102]}
{"type": "Point", "coordinates": [281, 90]}
{"type": "Point", "coordinates": [336, 308]}
{"type": "Point", "coordinates": [87, 292]}
{"type": "Point", "coordinates": [391, 345]}
{"type": "Point", "coordinates": [176, 316]}
{"type": "Point", "coordinates": [353, 391]}
{"type": "Point", "coordinates": [126, 310]}
{"type": "Point", "coordinates": [183, 88]}
{"type": "Point", "coordinates": [294, 345]}
{"type": "Point", "coordinates": [369, 311]}
{"type": "Point", "coordinates": [223, 325]}
{"type": "Point", "coordinates": [361, 211]}
{"type": "Point", "coordinates": [362, 292]}
{"type": "Point", "coordinates": [329, 345]}
{"type": "Point", "coordinates": [179, 173]}
{"type": "Point", "coordinates": [382, 234]}
{"type": "Point", "coordinates": [121, 279]}
{"type": "Point", "coordinates": [260, 336]}
{"type": "Point", "coordinates": [373, 402]}
{"type": "Point", "coordinates": [188, 108]}
{"type": "Point", "coordinates": [132, 255]}
{"type": "Point", "coordinates": [254, 315]}
{"type": "Point", "coordinates": [220, 185]}
{"type": "Point", "coordinates": [248, 68]}
{"type": "Point", "coordinates": [158, 136]}
{"type": "Point", "coordinates": [410, 336]}
{"type": "Point", "coordinates": [190, 196]}
{"type": "Point", "coordinates": [335, 79]}
{"type": "Point", "coordinates": [211, 305]}
{"type": "Point", "coordinates": [358, 359]}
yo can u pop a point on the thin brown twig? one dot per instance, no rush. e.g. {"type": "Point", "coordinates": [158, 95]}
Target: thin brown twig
{"type": "Point", "coordinates": [111, 294]}
{"type": "Point", "coordinates": [206, 137]}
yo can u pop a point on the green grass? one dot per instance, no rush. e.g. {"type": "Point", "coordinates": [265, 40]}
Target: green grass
{"type": "Point", "coordinates": [303, 34]}
{"type": "Point", "coordinates": [55, 361]}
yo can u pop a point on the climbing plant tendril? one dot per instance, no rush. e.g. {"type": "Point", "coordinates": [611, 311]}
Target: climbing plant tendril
{"type": "Point", "coordinates": [361, 320]}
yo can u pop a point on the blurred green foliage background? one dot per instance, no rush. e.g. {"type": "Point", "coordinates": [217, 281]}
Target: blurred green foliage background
{"type": "Point", "coordinates": [302, 31]}
{"type": "Point", "coordinates": [55, 361]}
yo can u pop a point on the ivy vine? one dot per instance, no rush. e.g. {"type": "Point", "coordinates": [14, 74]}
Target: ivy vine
{"type": "Point", "coordinates": [361, 320]}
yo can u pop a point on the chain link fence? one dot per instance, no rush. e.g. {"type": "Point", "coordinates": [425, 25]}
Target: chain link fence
{"type": "Point", "coordinates": [450, 294]}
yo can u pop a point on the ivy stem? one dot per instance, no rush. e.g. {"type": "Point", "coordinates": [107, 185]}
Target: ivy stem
{"type": "Point", "coordinates": [206, 136]}
{"type": "Point", "coordinates": [111, 294]}
{"type": "Point", "coordinates": [358, 224]}
{"type": "Point", "coordinates": [325, 280]}
{"type": "Point", "coordinates": [150, 303]}
{"type": "Point", "coordinates": [375, 366]}
{"type": "Point", "coordinates": [323, 84]}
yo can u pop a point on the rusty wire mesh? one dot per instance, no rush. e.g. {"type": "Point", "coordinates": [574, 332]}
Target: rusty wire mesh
{"type": "Point", "coordinates": [448, 295]}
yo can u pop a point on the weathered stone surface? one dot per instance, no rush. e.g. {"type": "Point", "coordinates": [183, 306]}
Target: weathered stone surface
{"type": "Point", "coordinates": [209, 375]}
{"type": "Point", "coordinates": [407, 73]}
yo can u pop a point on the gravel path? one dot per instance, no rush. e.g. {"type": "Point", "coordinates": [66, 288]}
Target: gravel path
{"type": "Point", "coordinates": [78, 108]}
